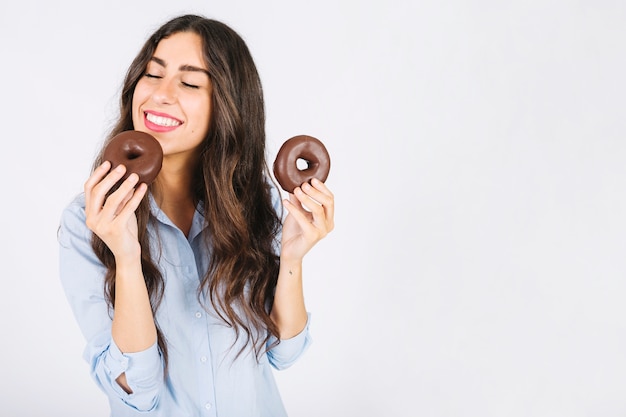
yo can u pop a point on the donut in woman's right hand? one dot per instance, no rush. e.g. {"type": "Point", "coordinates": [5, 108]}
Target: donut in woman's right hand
{"type": "Point", "coordinates": [138, 151]}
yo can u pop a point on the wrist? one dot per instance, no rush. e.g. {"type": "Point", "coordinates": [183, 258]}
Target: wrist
{"type": "Point", "coordinates": [291, 266]}
{"type": "Point", "coordinates": [128, 264]}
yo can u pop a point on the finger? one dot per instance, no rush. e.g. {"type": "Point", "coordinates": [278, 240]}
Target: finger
{"type": "Point", "coordinates": [127, 187]}
{"type": "Point", "coordinates": [97, 187]}
{"type": "Point", "coordinates": [128, 196]}
{"type": "Point", "coordinates": [319, 185]}
{"type": "Point", "coordinates": [294, 200]}
{"type": "Point", "coordinates": [321, 195]}
{"type": "Point", "coordinates": [327, 200]}
{"type": "Point", "coordinates": [100, 190]}
{"type": "Point", "coordinates": [116, 201]}
{"type": "Point", "coordinates": [131, 204]}
{"type": "Point", "coordinates": [323, 213]}
{"type": "Point", "coordinates": [307, 202]}
{"type": "Point", "coordinates": [94, 179]}
{"type": "Point", "coordinates": [317, 212]}
{"type": "Point", "coordinates": [297, 212]}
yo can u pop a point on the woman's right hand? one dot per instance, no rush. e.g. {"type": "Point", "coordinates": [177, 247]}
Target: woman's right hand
{"type": "Point", "coordinates": [113, 218]}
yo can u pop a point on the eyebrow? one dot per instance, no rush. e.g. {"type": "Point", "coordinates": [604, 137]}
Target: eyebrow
{"type": "Point", "coordinates": [189, 68]}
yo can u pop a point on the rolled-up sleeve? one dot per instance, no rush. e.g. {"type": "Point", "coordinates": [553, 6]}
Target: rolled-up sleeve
{"type": "Point", "coordinates": [288, 351]}
{"type": "Point", "coordinates": [82, 278]}
{"type": "Point", "coordinates": [144, 372]}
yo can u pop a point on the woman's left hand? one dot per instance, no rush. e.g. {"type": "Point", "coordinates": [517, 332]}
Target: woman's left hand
{"type": "Point", "coordinates": [311, 215]}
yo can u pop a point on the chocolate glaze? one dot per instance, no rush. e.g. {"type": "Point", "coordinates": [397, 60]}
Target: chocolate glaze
{"type": "Point", "coordinates": [138, 151]}
{"type": "Point", "coordinates": [304, 147]}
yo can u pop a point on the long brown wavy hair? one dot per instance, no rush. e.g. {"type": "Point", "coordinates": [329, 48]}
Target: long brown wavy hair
{"type": "Point", "coordinates": [231, 181]}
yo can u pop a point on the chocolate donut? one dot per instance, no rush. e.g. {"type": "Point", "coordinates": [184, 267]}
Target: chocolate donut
{"type": "Point", "coordinates": [306, 148]}
{"type": "Point", "coordinates": [138, 151]}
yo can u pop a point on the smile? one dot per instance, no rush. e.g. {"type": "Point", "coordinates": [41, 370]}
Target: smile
{"type": "Point", "coordinates": [162, 121]}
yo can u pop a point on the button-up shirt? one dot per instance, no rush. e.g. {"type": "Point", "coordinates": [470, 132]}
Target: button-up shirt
{"type": "Point", "coordinates": [204, 376]}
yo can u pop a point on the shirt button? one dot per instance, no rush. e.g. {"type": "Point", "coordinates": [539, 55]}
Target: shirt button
{"type": "Point", "coordinates": [198, 314]}
{"type": "Point", "coordinates": [203, 359]}
{"type": "Point", "coordinates": [207, 406]}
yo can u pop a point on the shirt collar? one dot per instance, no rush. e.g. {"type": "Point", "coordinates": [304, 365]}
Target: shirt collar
{"type": "Point", "coordinates": [197, 224]}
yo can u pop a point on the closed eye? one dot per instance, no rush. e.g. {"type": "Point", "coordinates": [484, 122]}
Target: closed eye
{"type": "Point", "coordinates": [148, 75]}
{"type": "Point", "coordinates": [189, 85]}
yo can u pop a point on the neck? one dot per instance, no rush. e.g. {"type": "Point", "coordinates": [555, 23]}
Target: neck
{"type": "Point", "coordinates": [173, 193]}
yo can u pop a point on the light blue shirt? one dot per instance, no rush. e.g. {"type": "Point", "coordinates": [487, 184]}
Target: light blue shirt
{"type": "Point", "coordinates": [204, 377]}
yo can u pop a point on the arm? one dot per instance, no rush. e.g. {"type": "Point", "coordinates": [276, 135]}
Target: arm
{"type": "Point", "coordinates": [289, 312]}
{"type": "Point", "coordinates": [113, 220]}
{"type": "Point", "coordinates": [133, 328]}
{"type": "Point", "coordinates": [120, 363]}
{"type": "Point", "coordinates": [302, 229]}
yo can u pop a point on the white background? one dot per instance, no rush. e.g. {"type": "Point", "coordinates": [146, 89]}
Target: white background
{"type": "Point", "coordinates": [478, 162]}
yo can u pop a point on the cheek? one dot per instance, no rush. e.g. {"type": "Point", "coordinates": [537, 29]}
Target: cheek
{"type": "Point", "coordinates": [202, 115]}
{"type": "Point", "coordinates": [138, 99]}
{"type": "Point", "coordinates": [208, 112]}
{"type": "Point", "coordinates": [139, 95]}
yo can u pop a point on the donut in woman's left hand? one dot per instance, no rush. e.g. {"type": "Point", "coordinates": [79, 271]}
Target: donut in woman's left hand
{"type": "Point", "coordinates": [304, 148]}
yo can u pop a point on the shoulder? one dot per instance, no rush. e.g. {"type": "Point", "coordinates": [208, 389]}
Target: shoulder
{"type": "Point", "coordinates": [73, 220]}
{"type": "Point", "coordinates": [276, 197]}
{"type": "Point", "coordinates": [75, 210]}
{"type": "Point", "coordinates": [78, 202]}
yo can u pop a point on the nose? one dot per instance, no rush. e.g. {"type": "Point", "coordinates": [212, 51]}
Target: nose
{"type": "Point", "coordinates": [164, 92]}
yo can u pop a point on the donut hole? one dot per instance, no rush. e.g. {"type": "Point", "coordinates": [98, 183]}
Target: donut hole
{"type": "Point", "coordinates": [302, 164]}
{"type": "Point", "coordinates": [133, 155]}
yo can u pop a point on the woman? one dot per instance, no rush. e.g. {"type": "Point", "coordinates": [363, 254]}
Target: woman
{"type": "Point", "coordinates": [188, 290]}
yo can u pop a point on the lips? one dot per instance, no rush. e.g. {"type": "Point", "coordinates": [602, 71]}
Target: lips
{"type": "Point", "coordinates": [160, 122]}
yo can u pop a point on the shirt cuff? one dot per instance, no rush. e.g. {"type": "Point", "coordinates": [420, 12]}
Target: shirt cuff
{"type": "Point", "coordinates": [144, 370]}
{"type": "Point", "coordinates": [287, 352]}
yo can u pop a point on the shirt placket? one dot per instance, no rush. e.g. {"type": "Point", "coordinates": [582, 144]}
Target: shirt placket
{"type": "Point", "coordinates": [202, 350]}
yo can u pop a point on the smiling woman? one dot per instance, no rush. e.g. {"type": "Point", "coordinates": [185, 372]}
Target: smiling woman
{"type": "Point", "coordinates": [189, 290]}
{"type": "Point", "coordinates": [176, 73]}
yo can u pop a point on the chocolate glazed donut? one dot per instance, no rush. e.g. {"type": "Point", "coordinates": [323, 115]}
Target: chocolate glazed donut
{"type": "Point", "coordinates": [138, 151]}
{"type": "Point", "coordinates": [306, 148]}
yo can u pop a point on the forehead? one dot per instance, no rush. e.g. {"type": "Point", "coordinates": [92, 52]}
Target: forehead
{"type": "Point", "coordinates": [183, 48]}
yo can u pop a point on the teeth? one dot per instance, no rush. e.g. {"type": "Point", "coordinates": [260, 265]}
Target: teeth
{"type": "Point", "coordinates": [162, 121]}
